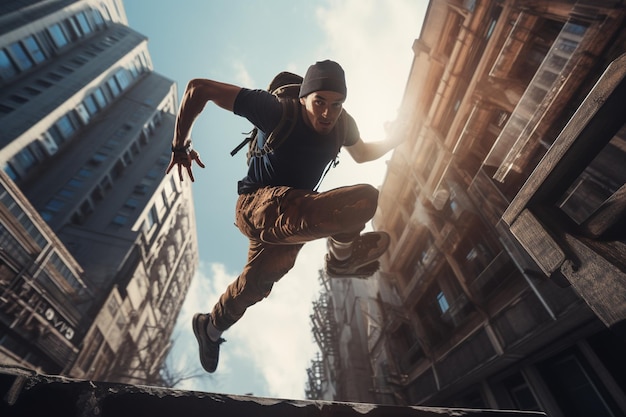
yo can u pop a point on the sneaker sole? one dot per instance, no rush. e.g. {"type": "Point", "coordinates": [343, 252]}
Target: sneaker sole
{"type": "Point", "coordinates": [196, 331]}
{"type": "Point", "coordinates": [383, 245]}
{"type": "Point", "coordinates": [364, 271]}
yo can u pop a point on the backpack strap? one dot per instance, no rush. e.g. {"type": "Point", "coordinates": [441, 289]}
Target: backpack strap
{"type": "Point", "coordinates": [282, 131]}
{"type": "Point", "coordinates": [277, 136]}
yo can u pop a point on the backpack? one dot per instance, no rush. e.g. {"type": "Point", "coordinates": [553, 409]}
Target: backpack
{"type": "Point", "coordinates": [285, 86]}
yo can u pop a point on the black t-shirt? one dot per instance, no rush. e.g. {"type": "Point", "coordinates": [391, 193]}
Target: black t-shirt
{"type": "Point", "coordinates": [302, 158]}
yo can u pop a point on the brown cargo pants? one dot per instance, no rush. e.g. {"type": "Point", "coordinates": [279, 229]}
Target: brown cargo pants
{"type": "Point", "coordinates": [279, 221]}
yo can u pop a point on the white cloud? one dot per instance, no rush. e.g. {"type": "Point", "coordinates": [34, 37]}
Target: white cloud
{"type": "Point", "coordinates": [242, 75]}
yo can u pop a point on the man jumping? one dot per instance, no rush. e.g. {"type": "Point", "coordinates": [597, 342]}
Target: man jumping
{"type": "Point", "coordinates": [278, 208]}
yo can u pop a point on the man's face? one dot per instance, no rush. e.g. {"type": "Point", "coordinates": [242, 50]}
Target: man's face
{"type": "Point", "coordinates": [322, 110]}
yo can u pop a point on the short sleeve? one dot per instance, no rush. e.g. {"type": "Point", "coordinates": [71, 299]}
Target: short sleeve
{"type": "Point", "coordinates": [260, 107]}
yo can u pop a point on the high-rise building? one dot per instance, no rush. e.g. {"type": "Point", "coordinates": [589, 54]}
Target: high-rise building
{"type": "Point", "coordinates": [98, 245]}
{"type": "Point", "coordinates": [504, 286]}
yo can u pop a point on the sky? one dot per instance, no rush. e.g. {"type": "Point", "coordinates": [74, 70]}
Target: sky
{"type": "Point", "coordinates": [246, 43]}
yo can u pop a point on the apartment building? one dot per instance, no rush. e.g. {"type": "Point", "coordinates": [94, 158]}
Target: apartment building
{"type": "Point", "coordinates": [98, 243]}
{"type": "Point", "coordinates": [504, 284]}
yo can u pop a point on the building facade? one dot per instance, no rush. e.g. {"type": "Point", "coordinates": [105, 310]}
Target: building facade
{"type": "Point", "coordinates": [504, 283]}
{"type": "Point", "coordinates": [99, 245]}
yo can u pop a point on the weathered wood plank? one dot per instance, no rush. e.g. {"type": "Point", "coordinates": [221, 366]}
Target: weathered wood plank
{"type": "Point", "coordinates": [544, 250]}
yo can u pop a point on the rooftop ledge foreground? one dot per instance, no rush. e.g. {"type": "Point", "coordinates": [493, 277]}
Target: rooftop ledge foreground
{"type": "Point", "coordinates": [27, 393]}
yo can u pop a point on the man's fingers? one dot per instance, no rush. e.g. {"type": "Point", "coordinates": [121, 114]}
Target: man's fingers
{"type": "Point", "coordinates": [180, 172]}
{"type": "Point", "coordinates": [197, 159]}
{"type": "Point", "coordinates": [190, 173]}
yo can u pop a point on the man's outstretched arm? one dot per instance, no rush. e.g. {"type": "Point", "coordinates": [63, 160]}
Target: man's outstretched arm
{"type": "Point", "coordinates": [197, 93]}
{"type": "Point", "coordinates": [370, 151]}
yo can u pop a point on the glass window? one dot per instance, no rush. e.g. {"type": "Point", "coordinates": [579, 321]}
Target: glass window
{"type": "Point", "coordinates": [152, 218]}
{"type": "Point", "coordinates": [54, 205]}
{"type": "Point", "coordinates": [83, 23]}
{"type": "Point", "coordinates": [90, 105]}
{"type": "Point", "coordinates": [97, 17]}
{"type": "Point", "coordinates": [18, 99]}
{"type": "Point", "coordinates": [98, 158]}
{"type": "Point", "coordinates": [43, 83]}
{"type": "Point", "coordinates": [72, 27]}
{"type": "Point", "coordinates": [5, 109]}
{"type": "Point", "coordinates": [131, 203]}
{"type": "Point", "coordinates": [20, 55]}
{"type": "Point", "coordinates": [65, 126]}
{"type": "Point", "coordinates": [31, 91]}
{"type": "Point", "coordinates": [25, 159]}
{"type": "Point", "coordinates": [33, 47]}
{"type": "Point", "coordinates": [120, 220]}
{"type": "Point", "coordinates": [56, 136]}
{"type": "Point", "coordinates": [75, 183]}
{"type": "Point", "coordinates": [122, 78]}
{"type": "Point", "coordinates": [100, 99]}
{"type": "Point", "coordinates": [54, 76]}
{"type": "Point", "coordinates": [115, 89]}
{"type": "Point", "coordinates": [8, 169]}
{"type": "Point", "coordinates": [62, 268]}
{"type": "Point", "coordinates": [7, 68]}
{"type": "Point", "coordinates": [443, 303]}
{"type": "Point", "coordinates": [58, 37]}
{"type": "Point", "coordinates": [79, 61]}
{"type": "Point", "coordinates": [66, 192]}
{"type": "Point", "coordinates": [85, 173]}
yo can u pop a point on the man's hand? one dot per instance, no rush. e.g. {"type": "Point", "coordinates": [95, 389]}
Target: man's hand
{"type": "Point", "coordinates": [184, 157]}
{"type": "Point", "coordinates": [397, 132]}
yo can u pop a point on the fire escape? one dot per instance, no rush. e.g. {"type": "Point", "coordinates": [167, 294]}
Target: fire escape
{"type": "Point", "coordinates": [324, 327]}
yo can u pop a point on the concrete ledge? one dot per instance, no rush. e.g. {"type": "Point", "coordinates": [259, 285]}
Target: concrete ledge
{"type": "Point", "coordinates": [26, 393]}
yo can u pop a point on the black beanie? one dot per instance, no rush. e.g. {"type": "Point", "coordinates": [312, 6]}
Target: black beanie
{"type": "Point", "coordinates": [324, 76]}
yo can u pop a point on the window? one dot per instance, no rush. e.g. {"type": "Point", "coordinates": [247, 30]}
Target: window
{"type": "Point", "coordinates": [54, 205]}
{"type": "Point", "coordinates": [152, 218]}
{"type": "Point", "coordinates": [90, 105]}
{"type": "Point", "coordinates": [65, 126]}
{"type": "Point", "coordinates": [32, 46]}
{"type": "Point", "coordinates": [79, 61]}
{"type": "Point", "coordinates": [25, 159]}
{"type": "Point", "coordinates": [97, 17]}
{"type": "Point", "coordinates": [122, 78]}
{"type": "Point", "coordinates": [443, 303]}
{"type": "Point", "coordinates": [131, 203]}
{"type": "Point", "coordinates": [31, 91]}
{"type": "Point", "coordinates": [85, 173]}
{"type": "Point", "coordinates": [8, 169]}
{"type": "Point", "coordinates": [66, 70]}
{"type": "Point", "coordinates": [54, 76]}
{"type": "Point", "coordinates": [5, 109]}
{"type": "Point", "coordinates": [120, 220]}
{"type": "Point", "coordinates": [83, 23]}
{"type": "Point", "coordinates": [58, 37]}
{"type": "Point", "coordinates": [63, 269]}
{"type": "Point", "coordinates": [43, 83]}
{"type": "Point", "coordinates": [7, 68]}
{"type": "Point", "coordinates": [576, 387]}
{"type": "Point", "coordinates": [113, 87]}
{"type": "Point", "coordinates": [20, 55]}
{"type": "Point", "coordinates": [99, 97]}
{"type": "Point", "coordinates": [98, 158]}
{"type": "Point", "coordinates": [18, 99]}
{"type": "Point", "coordinates": [66, 193]}
{"type": "Point", "coordinates": [75, 183]}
